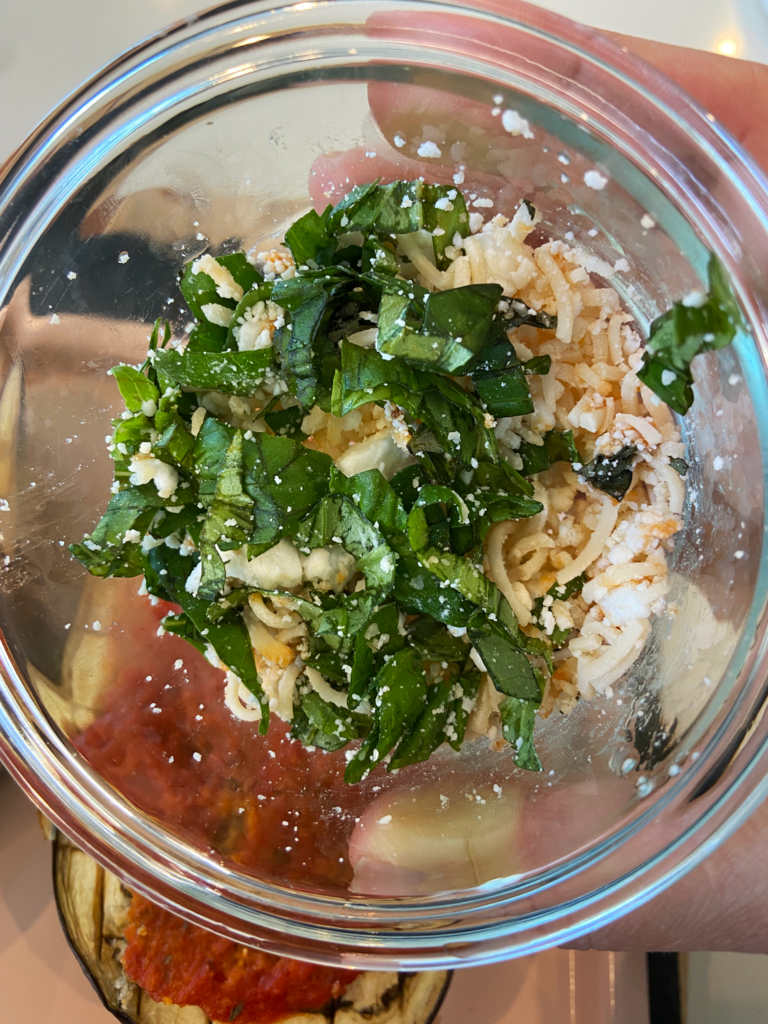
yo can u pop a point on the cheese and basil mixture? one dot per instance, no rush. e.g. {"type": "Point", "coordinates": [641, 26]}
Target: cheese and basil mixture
{"type": "Point", "coordinates": [410, 480]}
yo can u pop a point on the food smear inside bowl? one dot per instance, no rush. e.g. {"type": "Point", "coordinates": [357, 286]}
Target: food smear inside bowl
{"type": "Point", "coordinates": [410, 482]}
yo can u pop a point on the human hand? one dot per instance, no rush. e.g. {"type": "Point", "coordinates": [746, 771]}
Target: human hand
{"type": "Point", "coordinates": [734, 91]}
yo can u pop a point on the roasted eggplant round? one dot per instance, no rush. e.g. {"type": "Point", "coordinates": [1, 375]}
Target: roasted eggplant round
{"type": "Point", "coordinates": [93, 907]}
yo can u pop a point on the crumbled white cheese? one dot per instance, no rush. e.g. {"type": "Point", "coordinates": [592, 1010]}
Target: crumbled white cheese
{"type": "Point", "coordinates": [192, 584]}
{"type": "Point", "coordinates": [400, 431]}
{"type": "Point", "coordinates": [647, 222]}
{"type": "Point", "coordinates": [377, 452]}
{"type": "Point", "coordinates": [188, 547]}
{"type": "Point", "coordinates": [695, 300]}
{"type": "Point", "coordinates": [145, 468]}
{"type": "Point", "coordinates": [328, 568]}
{"type": "Point", "coordinates": [131, 537]}
{"type": "Point", "coordinates": [226, 286]}
{"type": "Point", "coordinates": [522, 223]}
{"type": "Point", "coordinates": [365, 338]}
{"type": "Point", "coordinates": [399, 141]}
{"type": "Point", "coordinates": [429, 150]}
{"type": "Point", "coordinates": [515, 124]}
{"type": "Point", "coordinates": [149, 408]}
{"type": "Point", "coordinates": [622, 605]}
{"type": "Point", "coordinates": [258, 326]}
{"type": "Point", "coordinates": [217, 314]}
{"type": "Point", "coordinates": [596, 180]}
{"type": "Point", "coordinates": [444, 204]}
{"type": "Point", "coordinates": [457, 630]}
{"type": "Point", "coordinates": [123, 257]}
{"type": "Point", "coordinates": [197, 420]}
{"type": "Point", "coordinates": [668, 377]}
{"type": "Point", "coordinates": [476, 221]}
{"type": "Point", "coordinates": [274, 263]}
{"type": "Point", "coordinates": [458, 178]}
{"type": "Point", "coordinates": [477, 659]}
{"type": "Point", "coordinates": [276, 569]}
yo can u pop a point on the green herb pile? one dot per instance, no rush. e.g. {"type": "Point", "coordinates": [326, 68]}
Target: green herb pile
{"type": "Point", "coordinates": [417, 539]}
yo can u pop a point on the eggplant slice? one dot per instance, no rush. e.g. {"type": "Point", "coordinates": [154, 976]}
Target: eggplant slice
{"type": "Point", "coordinates": [93, 908]}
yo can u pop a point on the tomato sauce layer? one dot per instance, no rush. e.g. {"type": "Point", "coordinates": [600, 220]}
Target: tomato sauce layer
{"type": "Point", "coordinates": [165, 739]}
{"type": "Point", "coordinates": [180, 963]}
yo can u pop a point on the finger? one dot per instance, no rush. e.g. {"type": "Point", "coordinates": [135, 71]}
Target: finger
{"type": "Point", "coordinates": [734, 91]}
{"type": "Point", "coordinates": [465, 126]}
{"type": "Point", "coordinates": [435, 837]}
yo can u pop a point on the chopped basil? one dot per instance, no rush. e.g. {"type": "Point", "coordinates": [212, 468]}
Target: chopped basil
{"type": "Point", "coordinates": [285, 480]}
{"type": "Point", "coordinates": [401, 208]}
{"type": "Point", "coordinates": [318, 723]}
{"type": "Point", "coordinates": [228, 522]}
{"type": "Point", "coordinates": [508, 666]}
{"type": "Point", "coordinates": [234, 373]}
{"type": "Point", "coordinates": [287, 422]}
{"type": "Point", "coordinates": [400, 692]}
{"type": "Point", "coordinates": [309, 240]}
{"type": "Point", "coordinates": [558, 446]}
{"type": "Point", "coordinates": [685, 331]}
{"type": "Point", "coordinates": [375, 498]}
{"type": "Point", "coordinates": [434, 642]}
{"type": "Point", "coordinates": [455, 326]}
{"type": "Point", "coordinates": [680, 466]}
{"type": "Point", "coordinates": [518, 718]}
{"type": "Point", "coordinates": [135, 389]}
{"type": "Point", "coordinates": [336, 519]}
{"type": "Point", "coordinates": [611, 473]}
{"type": "Point", "coordinates": [418, 591]}
{"type": "Point", "coordinates": [428, 731]}
{"type": "Point", "coordinates": [105, 552]}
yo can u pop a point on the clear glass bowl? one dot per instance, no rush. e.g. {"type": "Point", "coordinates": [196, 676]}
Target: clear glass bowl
{"type": "Point", "coordinates": [217, 133]}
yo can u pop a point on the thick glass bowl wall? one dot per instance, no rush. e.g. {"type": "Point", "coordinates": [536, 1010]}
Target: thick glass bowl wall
{"type": "Point", "coordinates": [214, 135]}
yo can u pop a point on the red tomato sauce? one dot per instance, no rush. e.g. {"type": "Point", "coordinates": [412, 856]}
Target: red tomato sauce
{"type": "Point", "coordinates": [166, 740]}
{"type": "Point", "coordinates": [180, 963]}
